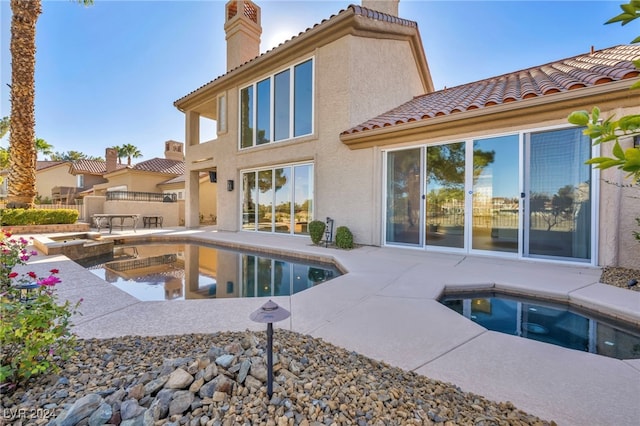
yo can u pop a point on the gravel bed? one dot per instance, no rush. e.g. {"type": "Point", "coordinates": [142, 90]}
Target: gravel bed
{"type": "Point", "coordinates": [220, 379]}
{"type": "Point", "coordinates": [621, 277]}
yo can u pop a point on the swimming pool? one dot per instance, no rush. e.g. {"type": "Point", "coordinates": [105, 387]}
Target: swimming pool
{"type": "Point", "coordinates": [547, 322]}
{"type": "Point", "coordinates": [154, 272]}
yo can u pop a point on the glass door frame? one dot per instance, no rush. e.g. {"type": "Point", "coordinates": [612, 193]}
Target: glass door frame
{"type": "Point", "coordinates": [469, 191]}
{"type": "Point", "coordinates": [522, 252]}
{"type": "Point", "coordinates": [421, 228]}
{"type": "Point", "coordinates": [594, 207]}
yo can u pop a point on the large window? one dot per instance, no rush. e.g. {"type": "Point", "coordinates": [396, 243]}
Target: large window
{"type": "Point", "coordinates": [281, 109]}
{"type": "Point", "coordinates": [278, 199]}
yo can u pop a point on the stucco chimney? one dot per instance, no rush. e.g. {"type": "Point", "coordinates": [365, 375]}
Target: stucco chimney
{"type": "Point", "coordinates": [174, 150]}
{"type": "Point", "coordinates": [390, 7]}
{"type": "Point", "coordinates": [111, 156]}
{"type": "Point", "coordinates": [243, 30]}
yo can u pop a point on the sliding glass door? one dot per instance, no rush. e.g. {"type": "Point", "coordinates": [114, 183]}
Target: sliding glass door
{"type": "Point", "coordinates": [525, 195]}
{"type": "Point", "coordinates": [558, 182]}
{"type": "Point", "coordinates": [496, 194]}
{"type": "Point", "coordinates": [445, 195]}
{"type": "Point", "coordinates": [403, 224]}
{"type": "Point", "coordinates": [278, 199]}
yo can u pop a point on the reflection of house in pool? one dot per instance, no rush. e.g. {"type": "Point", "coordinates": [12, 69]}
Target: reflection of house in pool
{"type": "Point", "coordinates": [191, 271]}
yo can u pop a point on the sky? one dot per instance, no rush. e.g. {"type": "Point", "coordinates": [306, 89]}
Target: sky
{"type": "Point", "coordinates": [108, 74]}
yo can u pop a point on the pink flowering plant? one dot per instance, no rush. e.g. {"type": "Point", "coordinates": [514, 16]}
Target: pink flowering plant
{"type": "Point", "coordinates": [35, 328]}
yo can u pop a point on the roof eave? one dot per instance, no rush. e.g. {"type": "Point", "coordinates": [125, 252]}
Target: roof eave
{"type": "Point", "coordinates": [345, 23]}
{"type": "Point", "coordinates": [617, 92]}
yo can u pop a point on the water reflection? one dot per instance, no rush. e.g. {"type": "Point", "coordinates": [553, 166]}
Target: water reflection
{"type": "Point", "coordinates": [548, 323]}
{"type": "Point", "coordinates": [190, 271]}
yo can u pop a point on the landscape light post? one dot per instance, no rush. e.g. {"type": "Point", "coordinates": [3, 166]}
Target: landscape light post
{"type": "Point", "coordinates": [269, 313]}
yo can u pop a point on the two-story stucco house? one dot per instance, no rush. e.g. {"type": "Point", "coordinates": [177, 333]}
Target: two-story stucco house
{"type": "Point", "coordinates": [343, 121]}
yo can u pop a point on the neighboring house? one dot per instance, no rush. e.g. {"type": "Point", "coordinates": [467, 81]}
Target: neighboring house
{"type": "Point", "coordinates": [54, 183]}
{"type": "Point", "coordinates": [343, 121]}
{"type": "Point", "coordinates": [146, 176]}
{"type": "Point", "coordinates": [89, 173]}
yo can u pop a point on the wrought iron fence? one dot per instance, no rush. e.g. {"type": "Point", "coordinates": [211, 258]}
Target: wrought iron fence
{"type": "Point", "coordinates": [141, 196]}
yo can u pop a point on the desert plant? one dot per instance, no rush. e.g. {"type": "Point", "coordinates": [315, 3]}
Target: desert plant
{"type": "Point", "coordinates": [344, 238]}
{"type": "Point", "coordinates": [316, 231]}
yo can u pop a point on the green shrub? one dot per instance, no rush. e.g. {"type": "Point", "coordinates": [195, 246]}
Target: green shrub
{"type": "Point", "coordinates": [316, 231]}
{"type": "Point", "coordinates": [19, 217]}
{"type": "Point", "coordinates": [344, 238]}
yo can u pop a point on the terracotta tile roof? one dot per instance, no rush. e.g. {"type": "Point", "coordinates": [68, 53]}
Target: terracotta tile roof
{"type": "Point", "coordinates": [599, 67]}
{"type": "Point", "coordinates": [92, 167]}
{"type": "Point", "coordinates": [357, 10]}
{"type": "Point", "coordinates": [161, 165]}
{"type": "Point", "coordinates": [177, 179]}
{"type": "Point", "coordinates": [45, 164]}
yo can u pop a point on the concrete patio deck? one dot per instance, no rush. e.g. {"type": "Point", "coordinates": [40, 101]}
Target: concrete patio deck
{"type": "Point", "coordinates": [385, 307]}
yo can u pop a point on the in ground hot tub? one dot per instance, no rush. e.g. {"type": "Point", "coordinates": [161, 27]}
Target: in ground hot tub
{"type": "Point", "coordinates": [75, 246]}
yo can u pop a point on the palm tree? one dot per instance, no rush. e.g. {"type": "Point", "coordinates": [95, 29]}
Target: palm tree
{"type": "Point", "coordinates": [129, 151]}
{"type": "Point", "coordinates": [22, 145]}
{"type": "Point", "coordinates": [118, 148]}
{"type": "Point", "coordinates": [43, 147]}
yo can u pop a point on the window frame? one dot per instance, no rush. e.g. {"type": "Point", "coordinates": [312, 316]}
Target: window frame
{"type": "Point", "coordinates": [253, 108]}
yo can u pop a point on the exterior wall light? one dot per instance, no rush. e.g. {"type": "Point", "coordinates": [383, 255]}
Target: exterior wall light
{"type": "Point", "coordinates": [229, 185]}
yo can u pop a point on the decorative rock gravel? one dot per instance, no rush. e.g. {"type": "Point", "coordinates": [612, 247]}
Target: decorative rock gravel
{"type": "Point", "coordinates": [620, 277]}
{"type": "Point", "coordinates": [219, 380]}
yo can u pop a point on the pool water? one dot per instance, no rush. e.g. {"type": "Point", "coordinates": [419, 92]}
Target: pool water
{"type": "Point", "coordinates": [545, 322]}
{"type": "Point", "coordinates": [153, 272]}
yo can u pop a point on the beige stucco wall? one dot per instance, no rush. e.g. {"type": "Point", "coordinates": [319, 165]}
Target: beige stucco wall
{"type": "Point", "coordinates": [134, 181]}
{"type": "Point", "coordinates": [47, 179]}
{"type": "Point", "coordinates": [619, 208]}
{"type": "Point", "coordinates": [92, 205]}
{"type": "Point", "coordinates": [342, 74]}
{"type": "Point", "coordinates": [208, 200]}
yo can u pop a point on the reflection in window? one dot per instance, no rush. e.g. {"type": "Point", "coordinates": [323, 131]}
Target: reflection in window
{"type": "Point", "coordinates": [281, 106]}
{"type": "Point", "coordinates": [403, 196]}
{"type": "Point", "coordinates": [287, 108]}
{"type": "Point", "coordinates": [445, 195]}
{"type": "Point", "coordinates": [249, 201]}
{"type": "Point", "coordinates": [496, 194]}
{"type": "Point", "coordinates": [303, 91]}
{"type": "Point", "coordinates": [246, 117]}
{"type": "Point", "coordinates": [263, 95]}
{"type": "Point", "coordinates": [302, 197]}
{"type": "Point", "coordinates": [283, 200]}
{"type": "Point", "coordinates": [276, 190]}
{"type": "Point", "coordinates": [265, 200]}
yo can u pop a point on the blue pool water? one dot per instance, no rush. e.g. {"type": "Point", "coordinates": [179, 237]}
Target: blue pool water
{"type": "Point", "coordinates": [152, 272]}
{"type": "Point", "coordinates": [545, 322]}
